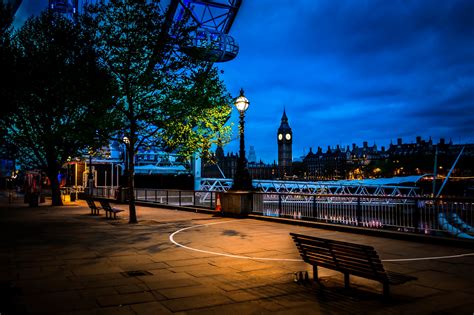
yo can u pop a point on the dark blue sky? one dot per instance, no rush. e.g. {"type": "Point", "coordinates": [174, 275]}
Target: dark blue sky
{"type": "Point", "coordinates": [349, 71]}
{"type": "Point", "coordinates": [354, 71]}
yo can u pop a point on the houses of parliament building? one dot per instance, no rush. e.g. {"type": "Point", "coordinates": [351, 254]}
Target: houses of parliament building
{"type": "Point", "coordinates": [350, 162]}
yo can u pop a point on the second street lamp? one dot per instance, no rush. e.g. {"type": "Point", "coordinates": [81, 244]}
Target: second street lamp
{"type": "Point", "coordinates": [242, 180]}
{"type": "Point", "coordinates": [126, 141]}
{"type": "Point", "coordinates": [90, 177]}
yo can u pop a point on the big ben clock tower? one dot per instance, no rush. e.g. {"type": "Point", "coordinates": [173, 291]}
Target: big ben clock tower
{"type": "Point", "coordinates": [285, 144]}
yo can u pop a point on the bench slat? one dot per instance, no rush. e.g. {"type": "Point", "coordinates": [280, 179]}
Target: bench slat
{"type": "Point", "coordinates": [343, 251]}
{"type": "Point", "coordinates": [338, 253]}
{"type": "Point", "coordinates": [347, 263]}
{"type": "Point", "coordinates": [351, 269]}
{"type": "Point", "coordinates": [316, 240]}
{"type": "Point", "coordinates": [371, 260]}
{"type": "Point", "coordinates": [94, 208]}
{"type": "Point", "coordinates": [109, 209]}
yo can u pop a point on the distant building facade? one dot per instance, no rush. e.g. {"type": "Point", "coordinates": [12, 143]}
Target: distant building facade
{"type": "Point", "coordinates": [350, 162]}
{"type": "Point", "coordinates": [330, 165]}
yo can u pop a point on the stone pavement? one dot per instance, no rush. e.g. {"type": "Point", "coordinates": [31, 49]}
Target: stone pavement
{"type": "Point", "coordinates": [62, 260]}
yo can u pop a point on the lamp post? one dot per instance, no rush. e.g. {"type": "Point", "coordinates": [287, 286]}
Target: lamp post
{"type": "Point", "coordinates": [124, 195]}
{"type": "Point", "coordinates": [75, 178]}
{"type": "Point", "coordinates": [126, 141]}
{"type": "Point", "coordinates": [67, 171]}
{"type": "Point", "coordinates": [90, 178]}
{"type": "Point", "coordinates": [242, 180]}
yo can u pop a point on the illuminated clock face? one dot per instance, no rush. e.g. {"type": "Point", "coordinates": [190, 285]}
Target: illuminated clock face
{"type": "Point", "coordinates": [280, 136]}
{"type": "Point", "coordinates": [288, 136]}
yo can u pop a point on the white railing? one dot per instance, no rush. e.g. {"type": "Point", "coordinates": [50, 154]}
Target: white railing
{"type": "Point", "coordinates": [321, 187]}
{"type": "Point", "coordinates": [447, 216]}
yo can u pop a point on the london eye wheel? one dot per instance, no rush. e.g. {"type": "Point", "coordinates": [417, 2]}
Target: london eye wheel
{"type": "Point", "coordinates": [212, 21]}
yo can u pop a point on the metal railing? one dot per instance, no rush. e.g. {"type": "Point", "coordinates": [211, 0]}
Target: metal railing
{"type": "Point", "coordinates": [441, 216]}
{"type": "Point", "coordinates": [342, 187]}
{"type": "Point", "coordinates": [182, 198]}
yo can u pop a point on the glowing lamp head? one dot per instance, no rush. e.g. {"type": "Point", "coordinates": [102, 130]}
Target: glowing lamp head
{"type": "Point", "coordinates": [241, 103]}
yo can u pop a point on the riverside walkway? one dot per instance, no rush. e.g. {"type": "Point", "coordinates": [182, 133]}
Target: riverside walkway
{"type": "Point", "coordinates": [62, 260]}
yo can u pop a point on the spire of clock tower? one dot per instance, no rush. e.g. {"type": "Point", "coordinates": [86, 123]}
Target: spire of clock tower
{"type": "Point", "coordinates": [285, 144]}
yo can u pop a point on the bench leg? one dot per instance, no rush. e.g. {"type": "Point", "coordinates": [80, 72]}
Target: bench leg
{"type": "Point", "coordinates": [315, 273]}
{"type": "Point", "coordinates": [386, 290]}
{"type": "Point", "coordinates": [346, 281]}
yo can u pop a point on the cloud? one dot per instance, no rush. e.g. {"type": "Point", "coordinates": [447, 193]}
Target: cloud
{"type": "Point", "coordinates": [349, 71]}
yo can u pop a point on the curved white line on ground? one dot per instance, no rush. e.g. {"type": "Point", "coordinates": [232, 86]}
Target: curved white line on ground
{"type": "Point", "coordinates": [430, 258]}
{"type": "Point", "coordinates": [289, 259]}
{"type": "Point", "coordinates": [220, 254]}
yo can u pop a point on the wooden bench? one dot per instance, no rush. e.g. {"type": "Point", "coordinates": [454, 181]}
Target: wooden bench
{"type": "Point", "coordinates": [109, 210]}
{"type": "Point", "coordinates": [94, 209]}
{"type": "Point", "coordinates": [348, 258]}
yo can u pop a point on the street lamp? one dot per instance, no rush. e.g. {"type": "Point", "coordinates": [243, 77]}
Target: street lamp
{"type": "Point", "coordinates": [67, 171]}
{"type": "Point", "coordinates": [91, 179]}
{"type": "Point", "coordinates": [75, 177]}
{"type": "Point", "coordinates": [242, 180]}
{"type": "Point", "coordinates": [126, 140]}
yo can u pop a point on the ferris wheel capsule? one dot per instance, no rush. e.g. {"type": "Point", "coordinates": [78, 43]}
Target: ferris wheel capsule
{"type": "Point", "coordinates": [211, 46]}
{"type": "Point", "coordinates": [64, 6]}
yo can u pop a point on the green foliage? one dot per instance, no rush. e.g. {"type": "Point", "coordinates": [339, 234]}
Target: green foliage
{"type": "Point", "coordinates": [65, 95]}
{"type": "Point", "coordinates": [6, 19]}
{"type": "Point", "coordinates": [165, 98]}
{"type": "Point", "coordinates": [62, 97]}
{"type": "Point", "coordinates": [7, 61]}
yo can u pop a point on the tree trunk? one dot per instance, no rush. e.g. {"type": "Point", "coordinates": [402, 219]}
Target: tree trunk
{"type": "Point", "coordinates": [131, 186]}
{"type": "Point", "coordinates": [55, 189]}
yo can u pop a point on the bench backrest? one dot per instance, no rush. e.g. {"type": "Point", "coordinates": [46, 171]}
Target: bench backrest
{"type": "Point", "coordinates": [356, 259]}
{"type": "Point", "coordinates": [105, 205]}
{"type": "Point", "coordinates": [91, 203]}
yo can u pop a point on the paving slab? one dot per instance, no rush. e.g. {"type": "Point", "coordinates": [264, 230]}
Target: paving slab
{"type": "Point", "coordinates": [61, 260]}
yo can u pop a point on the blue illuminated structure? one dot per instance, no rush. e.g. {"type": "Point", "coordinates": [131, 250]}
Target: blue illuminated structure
{"type": "Point", "coordinates": [211, 19]}
{"type": "Point", "coordinates": [15, 4]}
{"type": "Point", "coordinates": [64, 6]}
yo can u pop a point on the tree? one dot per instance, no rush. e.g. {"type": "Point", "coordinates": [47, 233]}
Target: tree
{"type": "Point", "coordinates": [63, 99]}
{"type": "Point", "coordinates": [7, 60]}
{"type": "Point", "coordinates": [165, 98]}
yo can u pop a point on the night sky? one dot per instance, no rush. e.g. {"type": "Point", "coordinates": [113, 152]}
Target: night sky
{"type": "Point", "coordinates": [350, 71]}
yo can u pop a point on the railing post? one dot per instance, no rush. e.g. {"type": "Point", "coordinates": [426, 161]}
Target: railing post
{"type": "Point", "coordinates": [359, 212]}
{"type": "Point", "coordinates": [416, 215]}
{"type": "Point", "coordinates": [179, 201]}
{"type": "Point", "coordinates": [315, 215]}
{"type": "Point", "coordinates": [252, 206]}
{"type": "Point", "coordinates": [194, 198]}
{"type": "Point", "coordinates": [280, 210]}
{"type": "Point", "coordinates": [156, 195]}
{"type": "Point", "coordinates": [167, 197]}
{"type": "Point", "coordinates": [212, 201]}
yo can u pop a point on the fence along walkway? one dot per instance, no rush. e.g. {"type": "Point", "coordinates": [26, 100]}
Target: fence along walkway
{"type": "Point", "coordinates": [443, 216]}
{"type": "Point", "coordinates": [377, 187]}
{"type": "Point", "coordinates": [173, 197]}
